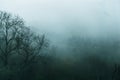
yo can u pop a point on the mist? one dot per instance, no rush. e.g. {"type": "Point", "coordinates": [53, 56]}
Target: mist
{"type": "Point", "coordinates": [60, 40]}
{"type": "Point", "coordinates": [68, 17]}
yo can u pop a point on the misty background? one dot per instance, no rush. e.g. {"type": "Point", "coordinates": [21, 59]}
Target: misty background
{"type": "Point", "coordinates": [63, 18]}
{"type": "Point", "coordinates": [60, 20]}
{"type": "Point", "coordinates": [60, 40]}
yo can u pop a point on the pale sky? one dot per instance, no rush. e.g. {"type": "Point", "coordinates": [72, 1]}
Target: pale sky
{"type": "Point", "coordinates": [63, 17]}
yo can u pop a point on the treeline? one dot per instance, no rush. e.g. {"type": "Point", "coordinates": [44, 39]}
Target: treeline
{"type": "Point", "coordinates": [88, 59]}
{"type": "Point", "coordinates": [25, 55]}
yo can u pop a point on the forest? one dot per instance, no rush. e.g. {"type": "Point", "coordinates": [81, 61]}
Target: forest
{"type": "Point", "coordinates": [27, 55]}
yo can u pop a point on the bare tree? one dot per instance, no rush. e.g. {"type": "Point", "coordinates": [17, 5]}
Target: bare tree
{"type": "Point", "coordinates": [10, 26]}
{"type": "Point", "coordinates": [30, 46]}
{"type": "Point", "coordinates": [19, 46]}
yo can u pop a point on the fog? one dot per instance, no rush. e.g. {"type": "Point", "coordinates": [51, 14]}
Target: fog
{"type": "Point", "coordinates": [81, 40]}
{"type": "Point", "coordinates": [59, 20]}
{"type": "Point", "coordinates": [68, 17]}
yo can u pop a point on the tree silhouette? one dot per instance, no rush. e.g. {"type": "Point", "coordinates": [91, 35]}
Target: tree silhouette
{"type": "Point", "coordinates": [20, 48]}
{"type": "Point", "coordinates": [10, 26]}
